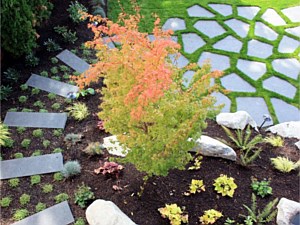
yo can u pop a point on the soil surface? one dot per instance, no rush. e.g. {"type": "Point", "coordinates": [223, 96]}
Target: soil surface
{"type": "Point", "coordinates": [159, 190]}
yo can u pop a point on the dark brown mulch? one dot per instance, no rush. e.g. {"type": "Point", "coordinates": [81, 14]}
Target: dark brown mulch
{"type": "Point", "coordinates": [159, 190]}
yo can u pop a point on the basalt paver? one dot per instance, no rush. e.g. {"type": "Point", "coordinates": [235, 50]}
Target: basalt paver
{"type": "Point", "coordinates": [222, 99]}
{"type": "Point", "coordinates": [233, 82]}
{"type": "Point", "coordinates": [272, 17]}
{"type": "Point", "coordinates": [280, 86]}
{"type": "Point", "coordinates": [293, 13]}
{"type": "Point", "coordinates": [229, 44]}
{"type": "Point", "coordinates": [180, 61]}
{"type": "Point", "coordinates": [294, 31]}
{"type": "Point", "coordinates": [248, 12]}
{"type": "Point", "coordinates": [192, 42]}
{"type": "Point", "coordinates": [210, 28]}
{"type": "Point", "coordinates": [262, 30]}
{"type": "Point", "coordinates": [187, 77]}
{"type": "Point", "coordinates": [287, 67]}
{"type": "Point", "coordinates": [198, 11]}
{"type": "Point", "coordinates": [73, 61]}
{"type": "Point", "coordinates": [222, 9]}
{"type": "Point", "coordinates": [218, 62]}
{"type": "Point", "coordinates": [288, 45]}
{"type": "Point", "coordinates": [259, 49]}
{"type": "Point", "coordinates": [285, 112]}
{"type": "Point", "coordinates": [174, 24]}
{"type": "Point", "coordinates": [252, 69]}
{"type": "Point", "coordinates": [239, 27]}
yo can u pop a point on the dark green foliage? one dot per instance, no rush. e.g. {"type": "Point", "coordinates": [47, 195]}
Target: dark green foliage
{"type": "Point", "coordinates": [83, 195]}
{"type": "Point", "coordinates": [75, 9]}
{"type": "Point", "coordinates": [51, 45]}
{"type": "Point", "coordinates": [5, 202]}
{"type": "Point", "coordinates": [22, 99]}
{"type": "Point", "coordinates": [261, 188]}
{"type": "Point", "coordinates": [67, 35]}
{"type": "Point", "coordinates": [18, 155]}
{"type": "Point", "coordinates": [35, 91]}
{"type": "Point", "coordinates": [12, 75]}
{"type": "Point", "coordinates": [31, 60]}
{"type": "Point", "coordinates": [14, 182]}
{"type": "Point", "coordinates": [8, 143]}
{"type": "Point", "coordinates": [61, 197]}
{"type": "Point", "coordinates": [37, 133]}
{"type": "Point", "coordinates": [5, 91]}
{"type": "Point", "coordinates": [25, 143]}
{"type": "Point", "coordinates": [35, 179]}
{"type": "Point", "coordinates": [40, 207]}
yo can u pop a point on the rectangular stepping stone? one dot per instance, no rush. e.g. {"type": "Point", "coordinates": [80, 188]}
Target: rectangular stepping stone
{"type": "Point", "coordinates": [50, 85]}
{"type": "Point", "coordinates": [35, 119]}
{"type": "Point", "coordinates": [31, 166]}
{"type": "Point", "coordinates": [58, 214]}
{"type": "Point", "coordinates": [73, 61]}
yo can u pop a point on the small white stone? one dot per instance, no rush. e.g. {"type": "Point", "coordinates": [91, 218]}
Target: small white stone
{"type": "Point", "coordinates": [289, 67]}
{"type": "Point", "coordinates": [248, 12]}
{"type": "Point", "coordinates": [113, 146]}
{"type": "Point", "coordinates": [293, 13]}
{"type": "Point", "coordinates": [191, 42]}
{"type": "Point", "coordinates": [223, 9]}
{"type": "Point", "coordinates": [286, 210]}
{"type": "Point", "coordinates": [262, 30]}
{"type": "Point", "coordinates": [218, 62]}
{"type": "Point", "coordinates": [229, 44]}
{"type": "Point", "coordinates": [237, 120]}
{"type": "Point", "coordinates": [198, 11]}
{"type": "Point", "coordinates": [252, 69]}
{"type": "Point", "coordinates": [174, 24]}
{"type": "Point", "coordinates": [287, 129]}
{"type": "Point", "coordinates": [272, 17]}
{"type": "Point", "coordinates": [288, 45]}
{"type": "Point", "coordinates": [239, 27]}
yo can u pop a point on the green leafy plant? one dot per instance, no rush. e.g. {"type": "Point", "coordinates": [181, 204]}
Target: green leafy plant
{"type": "Point", "coordinates": [110, 169]}
{"type": "Point", "coordinates": [58, 78]}
{"type": "Point", "coordinates": [36, 153]}
{"type": "Point", "coordinates": [46, 143]}
{"type": "Point", "coordinates": [24, 87]}
{"type": "Point", "coordinates": [26, 143]}
{"type": "Point", "coordinates": [78, 111]}
{"type": "Point", "coordinates": [66, 76]}
{"type": "Point", "coordinates": [79, 221]}
{"type": "Point", "coordinates": [229, 221]}
{"type": "Point", "coordinates": [54, 60]}
{"type": "Point", "coordinates": [75, 11]}
{"type": "Point", "coordinates": [197, 163]}
{"type": "Point", "coordinates": [51, 45]}
{"type": "Point", "coordinates": [31, 60]}
{"type": "Point", "coordinates": [47, 188]}
{"type": "Point", "coordinates": [85, 92]}
{"type": "Point", "coordinates": [24, 199]}
{"type": "Point", "coordinates": [54, 70]}
{"type": "Point", "coordinates": [55, 106]}
{"type": "Point", "coordinates": [27, 110]}
{"type": "Point", "coordinates": [35, 179]}
{"type": "Point", "coordinates": [40, 207]}
{"type": "Point", "coordinates": [20, 214]}
{"type": "Point", "coordinates": [210, 216]}
{"type": "Point", "coordinates": [14, 182]}
{"type": "Point", "coordinates": [5, 92]}
{"type": "Point", "coordinates": [12, 75]}
{"type": "Point", "coordinates": [58, 132]}
{"type": "Point", "coordinates": [64, 68]}
{"type": "Point", "coordinates": [284, 165]}
{"type": "Point", "coordinates": [38, 133]}
{"type": "Point", "coordinates": [72, 139]}
{"type": "Point", "coordinates": [44, 73]}
{"type": "Point", "coordinates": [51, 96]}
{"type": "Point", "coordinates": [58, 176]}
{"type": "Point", "coordinates": [261, 217]}
{"type": "Point", "coordinates": [58, 150]}
{"type": "Point", "coordinates": [71, 168]}
{"type": "Point", "coordinates": [275, 141]}
{"type": "Point", "coordinates": [196, 186]}
{"type": "Point", "coordinates": [4, 134]}
{"type": "Point", "coordinates": [43, 111]}
{"type": "Point", "coordinates": [9, 143]}
{"type": "Point", "coordinates": [35, 91]}
{"type": "Point", "coordinates": [225, 185]}
{"type": "Point", "coordinates": [39, 104]}
{"type": "Point", "coordinates": [83, 195]}
{"type": "Point", "coordinates": [61, 197]}
{"type": "Point", "coordinates": [174, 213]}
{"type": "Point", "coordinates": [261, 188]}
{"type": "Point", "coordinates": [18, 155]}
{"type": "Point", "coordinates": [23, 99]}
{"type": "Point", "coordinates": [5, 202]}
{"type": "Point", "coordinates": [93, 148]}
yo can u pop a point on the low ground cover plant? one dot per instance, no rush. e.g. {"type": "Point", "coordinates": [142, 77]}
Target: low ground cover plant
{"type": "Point", "coordinates": [71, 169]}
{"type": "Point", "coordinates": [196, 186]}
{"type": "Point", "coordinates": [78, 111]}
{"type": "Point", "coordinates": [210, 216]}
{"type": "Point", "coordinates": [5, 201]}
{"type": "Point", "coordinates": [4, 134]}
{"type": "Point", "coordinates": [261, 188]}
{"type": "Point", "coordinates": [174, 213]}
{"type": "Point", "coordinates": [83, 195]}
{"type": "Point", "coordinates": [284, 165]}
{"type": "Point", "coordinates": [225, 185]}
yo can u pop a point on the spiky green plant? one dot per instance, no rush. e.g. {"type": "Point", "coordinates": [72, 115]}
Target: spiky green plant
{"type": "Point", "coordinates": [275, 141]}
{"type": "Point", "coordinates": [78, 111]}
{"type": "Point", "coordinates": [4, 134]}
{"type": "Point", "coordinates": [284, 165]}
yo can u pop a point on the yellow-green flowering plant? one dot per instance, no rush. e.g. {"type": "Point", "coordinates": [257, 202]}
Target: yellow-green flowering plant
{"type": "Point", "coordinates": [174, 213]}
{"type": "Point", "coordinates": [196, 186]}
{"type": "Point", "coordinates": [210, 216]}
{"type": "Point", "coordinates": [225, 185]}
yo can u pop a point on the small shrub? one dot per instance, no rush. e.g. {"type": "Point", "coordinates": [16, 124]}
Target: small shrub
{"type": "Point", "coordinates": [9, 143]}
{"type": "Point", "coordinates": [284, 165]}
{"type": "Point", "coordinates": [12, 75]}
{"type": "Point", "coordinates": [26, 143]}
{"type": "Point", "coordinates": [43, 111]}
{"type": "Point", "coordinates": [66, 76]}
{"type": "Point", "coordinates": [46, 143]}
{"type": "Point", "coordinates": [22, 99]}
{"type": "Point", "coordinates": [229, 221]}
{"type": "Point", "coordinates": [54, 70]}
{"type": "Point", "coordinates": [35, 179]}
{"type": "Point", "coordinates": [51, 96]}
{"type": "Point", "coordinates": [94, 148]}
{"type": "Point", "coordinates": [58, 176]}
{"type": "Point", "coordinates": [86, 52]}
{"type": "Point", "coordinates": [225, 185]}
{"type": "Point", "coordinates": [24, 199]}
{"type": "Point", "coordinates": [57, 150]}
{"type": "Point", "coordinates": [20, 214]}
{"type": "Point", "coordinates": [79, 221]}
{"type": "Point", "coordinates": [85, 92]}
{"type": "Point", "coordinates": [210, 216]}
{"type": "Point", "coordinates": [36, 153]}
{"type": "Point", "coordinates": [261, 188]}
{"type": "Point", "coordinates": [55, 106]}
{"type": "Point", "coordinates": [54, 60]}
{"type": "Point", "coordinates": [196, 186]}
{"type": "Point", "coordinates": [38, 133]}
{"type": "Point", "coordinates": [40, 207]}
{"type": "Point", "coordinates": [31, 60]}
{"type": "Point", "coordinates": [174, 213]}
{"type": "Point", "coordinates": [44, 74]}
{"type": "Point", "coordinates": [24, 87]}
{"type": "Point", "coordinates": [35, 91]}
{"type": "Point", "coordinates": [5, 202]}
{"type": "Point", "coordinates": [14, 182]}
{"type": "Point", "coordinates": [110, 168]}
{"type": "Point", "coordinates": [72, 138]}
{"type": "Point", "coordinates": [51, 45]}
{"type": "Point", "coordinates": [64, 68]}
{"type": "Point", "coordinates": [5, 92]}
{"type": "Point", "coordinates": [83, 195]}
{"type": "Point", "coordinates": [56, 78]}
{"type": "Point", "coordinates": [18, 155]}
{"type": "Point", "coordinates": [78, 111]}
{"type": "Point", "coordinates": [47, 188]}
{"type": "Point", "coordinates": [4, 134]}
{"type": "Point", "coordinates": [39, 104]}
{"type": "Point", "coordinates": [58, 132]}
{"type": "Point", "coordinates": [75, 11]}
{"type": "Point", "coordinates": [61, 198]}
{"type": "Point", "coordinates": [71, 168]}
{"type": "Point", "coordinates": [275, 141]}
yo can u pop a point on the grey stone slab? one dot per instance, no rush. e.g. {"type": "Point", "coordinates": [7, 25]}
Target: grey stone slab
{"type": "Point", "coordinates": [222, 9]}
{"type": "Point", "coordinates": [229, 44]}
{"type": "Point", "coordinates": [73, 61]}
{"type": "Point", "coordinates": [191, 42]}
{"type": "Point", "coordinates": [248, 12]}
{"type": "Point", "coordinates": [198, 11]}
{"type": "Point", "coordinates": [151, 37]}
{"type": "Point", "coordinates": [35, 119]}
{"type": "Point", "coordinates": [239, 27]}
{"type": "Point", "coordinates": [31, 166]}
{"type": "Point", "coordinates": [50, 85]}
{"type": "Point", "coordinates": [108, 42]}
{"type": "Point", "coordinates": [59, 214]}
{"type": "Point", "coordinates": [174, 24]}
{"type": "Point", "coordinates": [294, 31]}
{"type": "Point", "coordinates": [222, 99]}
{"type": "Point", "coordinates": [287, 67]}
{"type": "Point", "coordinates": [252, 69]}
{"type": "Point", "coordinates": [187, 77]}
{"type": "Point", "coordinates": [284, 111]}
{"type": "Point", "coordinates": [262, 30]}
{"type": "Point", "coordinates": [235, 83]}
{"type": "Point", "coordinates": [218, 62]}
{"type": "Point", "coordinates": [255, 106]}
{"type": "Point", "coordinates": [259, 49]}
{"type": "Point", "coordinates": [209, 28]}
{"type": "Point", "coordinates": [180, 62]}
{"type": "Point", "coordinates": [293, 13]}
{"type": "Point", "coordinates": [272, 17]}
{"type": "Point", "coordinates": [288, 45]}
{"type": "Point", "coordinates": [280, 86]}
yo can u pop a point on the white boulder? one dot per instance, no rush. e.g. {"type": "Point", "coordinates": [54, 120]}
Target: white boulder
{"type": "Point", "coordinates": [298, 145]}
{"type": "Point", "coordinates": [211, 147]}
{"type": "Point", "coordinates": [287, 129]}
{"type": "Point", "coordinates": [237, 120]}
{"type": "Point", "coordinates": [113, 146]}
{"type": "Point", "coordinates": [102, 212]}
{"type": "Point", "coordinates": [287, 209]}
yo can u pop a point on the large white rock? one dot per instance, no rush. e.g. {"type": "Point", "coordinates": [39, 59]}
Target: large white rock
{"type": "Point", "coordinates": [211, 147]}
{"type": "Point", "coordinates": [102, 212]}
{"type": "Point", "coordinates": [298, 145]}
{"type": "Point", "coordinates": [237, 120]}
{"type": "Point", "coordinates": [287, 209]}
{"type": "Point", "coordinates": [287, 129]}
{"type": "Point", "coordinates": [113, 146]}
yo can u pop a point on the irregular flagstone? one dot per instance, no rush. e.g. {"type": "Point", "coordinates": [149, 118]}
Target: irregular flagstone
{"type": "Point", "coordinates": [287, 209]}
{"type": "Point", "coordinates": [238, 120]}
{"type": "Point", "coordinates": [50, 85]}
{"type": "Point", "coordinates": [151, 37]}
{"type": "Point", "coordinates": [229, 44]}
{"type": "Point", "coordinates": [35, 119]}
{"type": "Point", "coordinates": [233, 82]}
{"type": "Point", "coordinates": [180, 62]}
{"type": "Point", "coordinates": [222, 99]}
{"type": "Point", "coordinates": [259, 49]}
{"type": "Point", "coordinates": [255, 106]}
{"type": "Point", "coordinates": [272, 17]}
{"type": "Point", "coordinates": [31, 166]}
{"type": "Point", "coordinates": [280, 86]}
{"type": "Point", "coordinates": [239, 27]}
{"type": "Point", "coordinates": [187, 77]}
{"type": "Point", "coordinates": [288, 45]}
{"type": "Point", "coordinates": [293, 13]}
{"type": "Point", "coordinates": [58, 214]}
{"type": "Point", "coordinates": [222, 9]}
{"type": "Point", "coordinates": [209, 28]}
{"type": "Point", "coordinates": [108, 42]}
{"type": "Point", "coordinates": [262, 30]}
{"type": "Point", "coordinates": [294, 31]}
{"type": "Point", "coordinates": [191, 42]}
{"type": "Point", "coordinates": [73, 61]}
{"type": "Point", "coordinates": [284, 111]}
{"type": "Point", "coordinates": [198, 11]}
{"type": "Point", "coordinates": [248, 12]}
{"type": "Point", "coordinates": [298, 145]}
{"type": "Point", "coordinates": [113, 146]}
{"type": "Point", "coordinates": [286, 129]}
{"type": "Point", "coordinates": [211, 147]}
{"type": "Point", "coordinates": [288, 67]}
{"type": "Point", "coordinates": [218, 62]}
{"type": "Point", "coordinates": [252, 69]}
{"type": "Point", "coordinates": [174, 24]}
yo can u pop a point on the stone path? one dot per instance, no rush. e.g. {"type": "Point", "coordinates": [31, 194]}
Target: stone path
{"type": "Point", "coordinates": [256, 50]}
{"type": "Point", "coordinates": [50, 85]}
{"type": "Point", "coordinates": [73, 61]}
{"type": "Point", "coordinates": [31, 166]}
{"type": "Point", "coordinates": [59, 214]}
